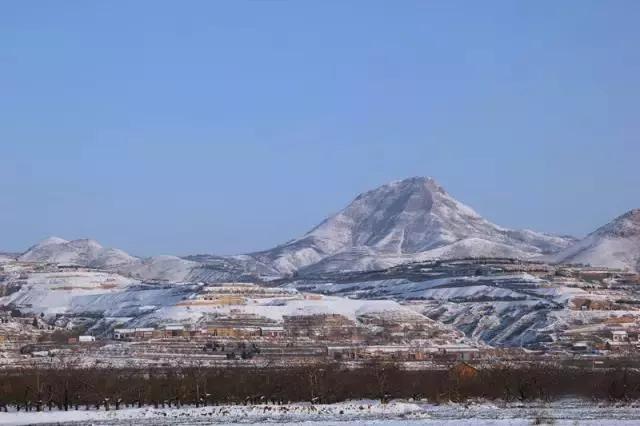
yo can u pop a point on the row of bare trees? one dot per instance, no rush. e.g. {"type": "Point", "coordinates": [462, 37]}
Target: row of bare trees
{"type": "Point", "coordinates": [37, 389]}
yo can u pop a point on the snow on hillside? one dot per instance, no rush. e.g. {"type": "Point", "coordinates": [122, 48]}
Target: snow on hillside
{"type": "Point", "coordinates": [89, 253]}
{"type": "Point", "coordinates": [78, 252]}
{"type": "Point", "coordinates": [412, 219]}
{"type": "Point", "coordinates": [125, 300]}
{"type": "Point", "coordinates": [506, 286]}
{"type": "Point", "coordinates": [615, 245]}
{"type": "Point", "coordinates": [131, 303]}
{"type": "Point", "coordinates": [276, 308]}
{"type": "Point", "coordinates": [160, 268]}
{"type": "Point", "coordinates": [504, 309]}
{"type": "Point", "coordinates": [498, 323]}
{"type": "Point", "coordinates": [53, 292]}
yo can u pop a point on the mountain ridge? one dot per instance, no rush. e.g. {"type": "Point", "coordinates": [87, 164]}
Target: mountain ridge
{"type": "Point", "coordinates": [403, 221]}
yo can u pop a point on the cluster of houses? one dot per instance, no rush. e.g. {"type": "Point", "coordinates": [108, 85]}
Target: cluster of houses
{"type": "Point", "coordinates": [314, 327]}
{"type": "Point", "coordinates": [237, 294]}
{"type": "Point", "coordinates": [450, 352]}
{"type": "Point", "coordinates": [223, 329]}
{"type": "Point", "coordinates": [616, 340]}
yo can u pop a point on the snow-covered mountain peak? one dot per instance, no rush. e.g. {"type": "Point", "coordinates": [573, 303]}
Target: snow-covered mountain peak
{"type": "Point", "coordinates": [410, 216]}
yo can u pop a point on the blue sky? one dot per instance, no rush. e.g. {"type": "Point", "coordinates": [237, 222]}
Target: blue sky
{"type": "Point", "coordinates": [225, 127]}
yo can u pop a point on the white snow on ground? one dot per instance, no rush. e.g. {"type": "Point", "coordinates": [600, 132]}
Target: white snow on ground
{"type": "Point", "coordinates": [470, 293]}
{"type": "Point", "coordinates": [561, 294]}
{"type": "Point", "coordinates": [277, 308]}
{"type": "Point", "coordinates": [108, 294]}
{"type": "Point", "coordinates": [366, 412]}
{"type": "Point", "coordinates": [54, 292]}
{"type": "Point", "coordinates": [164, 268]}
{"type": "Point", "coordinates": [471, 287]}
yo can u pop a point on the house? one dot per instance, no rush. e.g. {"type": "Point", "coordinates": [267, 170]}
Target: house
{"type": "Point", "coordinates": [232, 330]}
{"type": "Point", "coordinates": [333, 327]}
{"type": "Point", "coordinates": [174, 330]}
{"type": "Point", "coordinates": [619, 336]}
{"type": "Point", "coordinates": [395, 352]}
{"type": "Point", "coordinates": [86, 339]}
{"type": "Point", "coordinates": [344, 352]}
{"type": "Point", "coordinates": [144, 333]}
{"type": "Point", "coordinates": [272, 331]}
{"type": "Point", "coordinates": [580, 347]}
{"type": "Point", "coordinates": [133, 333]}
{"type": "Point", "coordinates": [123, 333]}
{"type": "Point", "coordinates": [460, 352]}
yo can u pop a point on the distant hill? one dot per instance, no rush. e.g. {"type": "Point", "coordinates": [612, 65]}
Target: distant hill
{"type": "Point", "coordinates": [614, 245]}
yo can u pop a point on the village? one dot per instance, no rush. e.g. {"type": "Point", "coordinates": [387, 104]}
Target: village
{"type": "Point", "coordinates": [230, 333]}
{"type": "Point", "coordinates": [240, 322]}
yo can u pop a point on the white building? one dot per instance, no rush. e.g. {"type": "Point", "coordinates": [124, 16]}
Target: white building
{"type": "Point", "coordinates": [619, 336]}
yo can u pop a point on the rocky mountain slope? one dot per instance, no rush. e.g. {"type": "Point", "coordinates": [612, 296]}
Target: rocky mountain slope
{"type": "Point", "coordinates": [615, 245]}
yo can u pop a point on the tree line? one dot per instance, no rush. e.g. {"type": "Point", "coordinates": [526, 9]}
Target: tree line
{"type": "Point", "coordinates": [42, 389]}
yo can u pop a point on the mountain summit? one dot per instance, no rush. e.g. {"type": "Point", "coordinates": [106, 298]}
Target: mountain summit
{"type": "Point", "coordinates": [614, 245]}
{"type": "Point", "coordinates": [401, 221]}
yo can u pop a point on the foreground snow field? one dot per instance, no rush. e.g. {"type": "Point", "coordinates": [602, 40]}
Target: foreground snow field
{"type": "Point", "coordinates": [569, 412]}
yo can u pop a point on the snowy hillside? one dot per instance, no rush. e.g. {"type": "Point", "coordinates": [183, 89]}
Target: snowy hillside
{"type": "Point", "coordinates": [277, 308]}
{"type": "Point", "coordinates": [503, 310]}
{"type": "Point", "coordinates": [55, 292]}
{"type": "Point", "coordinates": [101, 299]}
{"type": "Point", "coordinates": [89, 253]}
{"type": "Point", "coordinates": [615, 245]}
{"type": "Point", "coordinates": [496, 301]}
{"type": "Point", "coordinates": [78, 252]}
{"type": "Point", "coordinates": [412, 219]}
{"type": "Point", "coordinates": [4, 258]}
{"type": "Point", "coordinates": [159, 268]}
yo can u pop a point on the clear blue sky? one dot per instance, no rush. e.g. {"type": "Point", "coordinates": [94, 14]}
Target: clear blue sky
{"type": "Point", "coordinates": [225, 127]}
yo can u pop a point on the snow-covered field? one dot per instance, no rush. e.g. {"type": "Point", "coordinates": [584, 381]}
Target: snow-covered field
{"type": "Point", "coordinates": [54, 292]}
{"type": "Point", "coordinates": [567, 412]}
{"type": "Point", "coordinates": [277, 308]}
